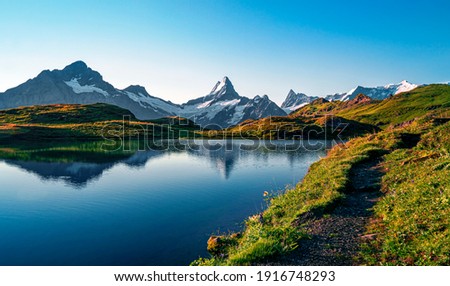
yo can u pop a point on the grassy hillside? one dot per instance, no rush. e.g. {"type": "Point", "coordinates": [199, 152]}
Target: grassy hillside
{"type": "Point", "coordinates": [321, 127]}
{"type": "Point", "coordinates": [394, 110]}
{"type": "Point", "coordinates": [321, 107]}
{"type": "Point", "coordinates": [433, 100]}
{"type": "Point", "coordinates": [64, 114]}
{"type": "Point", "coordinates": [321, 119]}
{"type": "Point", "coordinates": [275, 231]}
{"type": "Point", "coordinates": [411, 222]}
{"type": "Point", "coordinates": [408, 133]}
{"type": "Point", "coordinates": [86, 122]}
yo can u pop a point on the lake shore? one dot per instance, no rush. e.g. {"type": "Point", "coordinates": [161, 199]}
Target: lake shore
{"type": "Point", "coordinates": [280, 235]}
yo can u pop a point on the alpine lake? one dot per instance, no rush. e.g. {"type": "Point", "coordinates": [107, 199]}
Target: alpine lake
{"type": "Point", "coordinates": [91, 204]}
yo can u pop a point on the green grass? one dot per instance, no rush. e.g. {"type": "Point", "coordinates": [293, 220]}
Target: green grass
{"type": "Point", "coordinates": [412, 224]}
{"type": "Point", "coordinates": [86, 122]}
{"type": "Point", "coordinates": [432, 100]}
{"type": "Point", "coordinates": [413, 218]}
{"type": "Point", "coordinates": [287, 128]}
{"type": "Point", "coordinates": [411, 221]}
{"type": "Point", "coordinates": [276, 232]}
{"type": "Point", "coordinates": [64, 114]}
{"type": "Point", "coordinates": [89, 152]}
{"type": "Point", "coordinates": [404, 107]}
{"type": "Point", "coordinates": [320, 119]}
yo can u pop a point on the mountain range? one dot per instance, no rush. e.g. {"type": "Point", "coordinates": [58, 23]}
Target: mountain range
{"type": "Point", "coordinates": [222, 107]}
{"type": "Point", "coordinates": [295, 100]}
{"type": "Point", "coordinates": [79, 84]}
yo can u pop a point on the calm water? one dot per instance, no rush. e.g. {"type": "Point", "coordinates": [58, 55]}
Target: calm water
{"type": "Point", "coordinates": [142, 208]}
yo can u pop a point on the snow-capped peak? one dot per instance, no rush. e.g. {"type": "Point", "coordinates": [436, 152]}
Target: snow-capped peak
{"type": "Point", "coordinates": [405, 86]}
{"type": "Point", "coordinates": [378, 92]}
{"type": "Point", "coordinates": [224, 83]}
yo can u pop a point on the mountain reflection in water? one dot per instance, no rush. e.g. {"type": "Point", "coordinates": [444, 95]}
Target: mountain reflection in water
{"type": "Point", "coordinates": [79, 205]}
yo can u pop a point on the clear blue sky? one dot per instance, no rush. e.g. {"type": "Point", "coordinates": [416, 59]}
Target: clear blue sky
{"type": "Point", "coordinates": [179, 49]}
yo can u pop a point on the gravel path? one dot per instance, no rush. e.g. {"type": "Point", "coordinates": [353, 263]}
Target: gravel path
{"type": "Point", "coordinates": [335, 237]}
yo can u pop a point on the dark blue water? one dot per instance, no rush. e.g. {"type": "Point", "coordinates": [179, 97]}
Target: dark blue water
{"type": "Point", "coordinates": [148, 208]}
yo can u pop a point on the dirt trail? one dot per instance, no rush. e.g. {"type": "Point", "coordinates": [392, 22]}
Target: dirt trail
{"type": "Point", "coordinates": [336, 236]}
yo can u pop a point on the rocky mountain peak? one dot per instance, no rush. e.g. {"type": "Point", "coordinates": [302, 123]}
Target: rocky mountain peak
{"type": "Point", "coordinates": [223, 86]}
{"type": "Point", "coordinates": [295, 100]}
{"type": "Point", "coordinates": [222, 91]}
{"type": "Point", "coordinates": [137, 89]}
{"type": "Point", "coordinates": [80, 71]}
{"type": "Point", "coordinates": [291, 93]}
{"type": "Point", "coordinates": [258, 98]}
{"type": "Point", "coordinates": [77, 66]}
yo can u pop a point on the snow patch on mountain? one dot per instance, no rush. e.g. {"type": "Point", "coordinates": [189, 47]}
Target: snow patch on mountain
{"type": "Point", "coordinates": [204, 104]}
{"type": "Point", "coordinates": [155, 103]}
{"type": "Point", "coordinates": [405, 86]}
{"type": "Point", "coordinates": [238, 115]}
{"type": "Point", "coordinates": [77, 88]}
{"type": "Point", "coordinates": [378, 92]}
{"type": "Point", "coordinates": [219, 86]}
{"type": "Point", "coordinates": [295, 107]}
{"type": "Point", "coordinates": [230, 102]}
{"type": "Point", "coordinates": [208, 109]}
{"type": "Point", "coordinates": [224, 107]}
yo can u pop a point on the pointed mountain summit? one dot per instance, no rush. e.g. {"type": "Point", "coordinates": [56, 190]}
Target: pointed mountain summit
{"type": "Point", "coordinates": [291, 95]}
{"type": "Point", "coordinates": [224, 107]}
{"type": "Point", "coordinates": [79, 84]}
{"type": "Point", "coordinates": [83, 74]}
{"type": "Point", "coordinates": [222, 86]}
{"type": "Point", "coordinates": [405, 86]}
{"type": "Point", "coordinates": [295, 100]}
{"type": "Point", "coordinates": [78, 75]}
{"type": "Point", "coordinates": [222, 91]}
{"type": "Point", "coordinates": [76, 68]}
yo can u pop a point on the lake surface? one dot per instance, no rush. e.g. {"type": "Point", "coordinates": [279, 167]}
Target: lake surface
{"type": "Point", "coordinates": [151, 207]}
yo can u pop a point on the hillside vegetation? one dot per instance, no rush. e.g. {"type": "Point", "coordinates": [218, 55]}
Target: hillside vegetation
{"type": "Point", "coordinates": [432, 100]}
{"type": "Point", "coordinates": [342, 120]}
{"type": "Point", "coordinates": [86, 122]}
{"type": "Point", "coordinates": [408, 133]}
{"type": "Point", "coordinates": [410, 225]}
